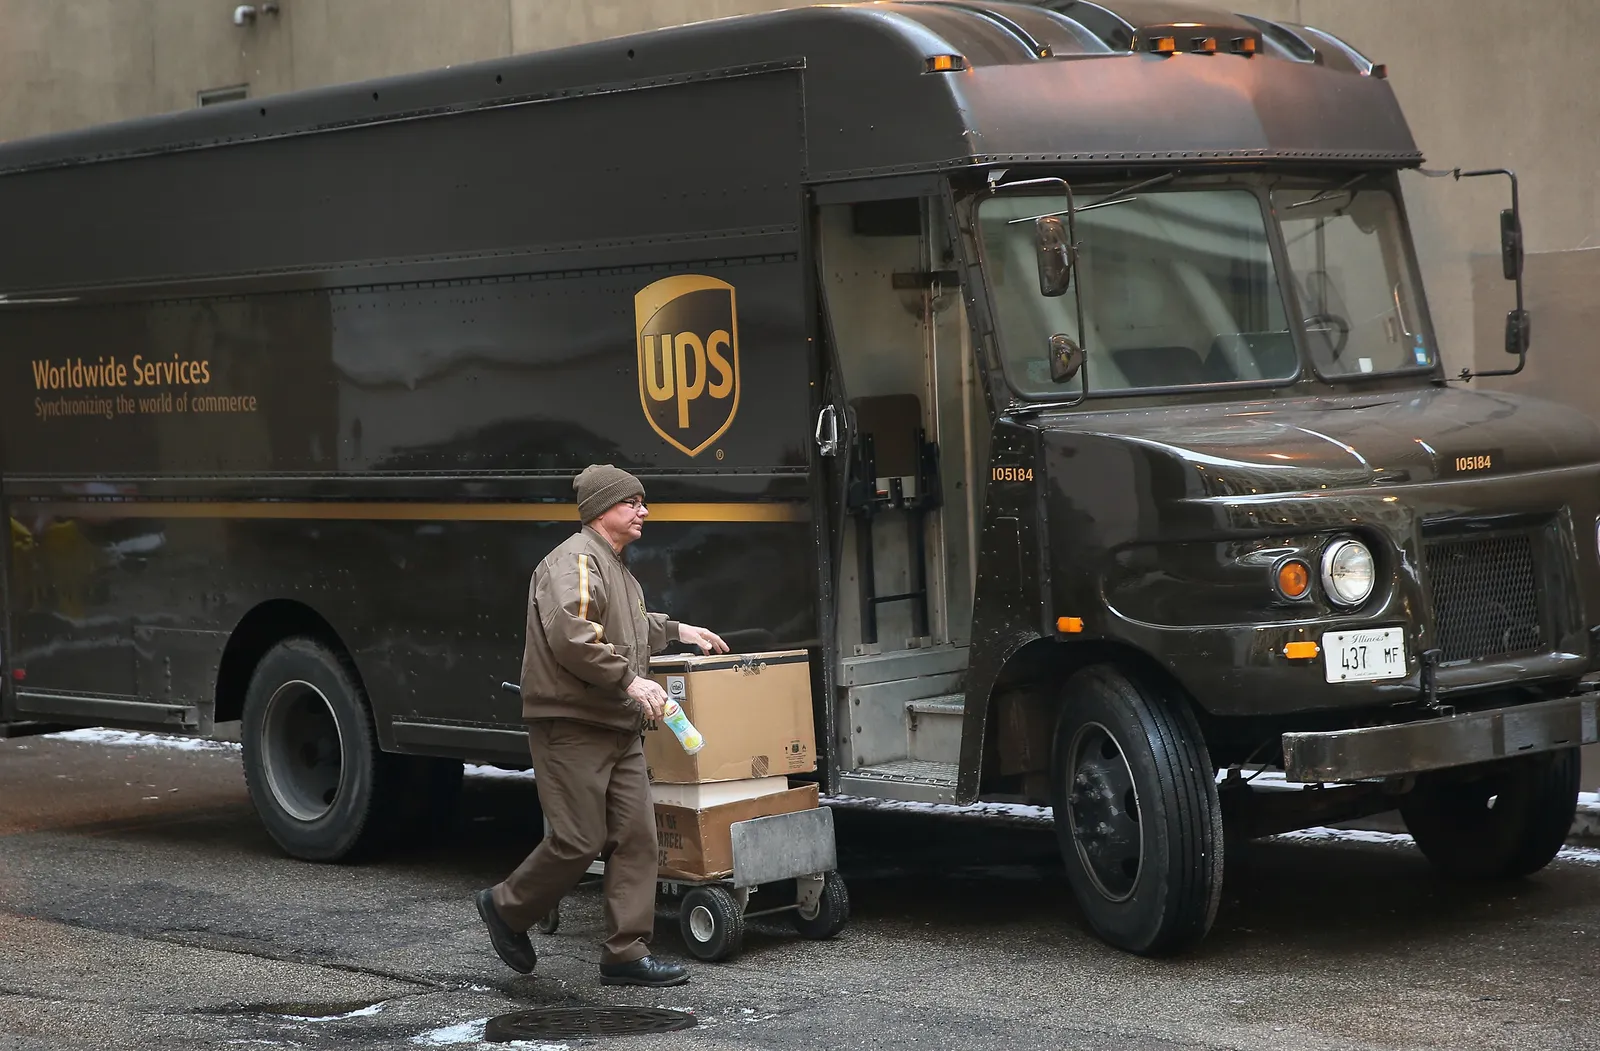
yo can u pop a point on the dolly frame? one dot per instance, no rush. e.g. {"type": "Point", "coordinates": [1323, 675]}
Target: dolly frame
{"type": "Point", "coordinates": [767, 852]}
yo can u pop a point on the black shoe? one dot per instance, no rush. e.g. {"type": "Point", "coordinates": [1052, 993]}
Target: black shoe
{"type": "Point", "coordinates": [647, 970]}
{"type": "Point", "coordinates": [515, 949]}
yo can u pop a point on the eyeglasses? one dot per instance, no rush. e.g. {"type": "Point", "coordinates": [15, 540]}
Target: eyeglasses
{"type": "Point", "coordinates": [636, 503]}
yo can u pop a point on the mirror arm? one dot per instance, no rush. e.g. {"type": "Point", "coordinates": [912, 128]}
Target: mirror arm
{"type": "Point", "coordinates": [993, 190]}
{"type": "Point", "coordinates": [1517, 321]}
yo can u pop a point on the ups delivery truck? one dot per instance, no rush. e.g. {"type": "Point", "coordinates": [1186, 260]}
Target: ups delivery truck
{"type": "Point", "coordinates": [1058, 376]}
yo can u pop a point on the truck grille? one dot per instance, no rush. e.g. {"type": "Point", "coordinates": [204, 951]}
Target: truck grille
{"type": "Point", "coordinates": [1485, 596]}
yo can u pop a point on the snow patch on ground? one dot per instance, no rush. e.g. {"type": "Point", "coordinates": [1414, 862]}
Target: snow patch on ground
{"type": "Point", "coordinates": [494, 773]}
{"type": "Point", "coordinates": [471, 1033]}
{"type": "Point", "coordinates": [130, 739]}
{"type": "Point", "coordinates": [1580, 855]}
{"type": "Point", "coordinates": [365, 1012]}
{"type": "Point", "coordinates": [452, 1035]}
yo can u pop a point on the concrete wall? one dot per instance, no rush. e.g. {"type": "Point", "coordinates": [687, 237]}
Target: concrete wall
{"type": "Point", "coordinates": [69, 63]}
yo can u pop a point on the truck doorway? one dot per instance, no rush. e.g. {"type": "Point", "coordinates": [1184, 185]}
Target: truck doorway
{"type": "Point", "coordinates": [914, 446]}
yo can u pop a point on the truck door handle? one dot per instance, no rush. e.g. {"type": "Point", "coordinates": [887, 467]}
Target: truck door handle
{"type": "Point", "coordinates": [827, 431]}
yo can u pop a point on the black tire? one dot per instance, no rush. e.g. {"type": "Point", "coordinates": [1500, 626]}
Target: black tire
{"type": "Point", "coordinates": [1136, 812]}
{"type": "Point", "coordinates": [831, 914]}
{"type": "Point", "coordinates": [550, 922]}
{"type": "Point", "coordinates": [319, 782]}
{"type": "Point", "coordinates": [430, 797]}
{"type": "Point", "coordinates": [712, 924]}
{"type": "Point", "coordinates": [1500, 821]}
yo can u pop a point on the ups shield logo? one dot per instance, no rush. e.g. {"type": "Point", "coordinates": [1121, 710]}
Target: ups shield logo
{"type": "Point", "coordinates": [688, 333]}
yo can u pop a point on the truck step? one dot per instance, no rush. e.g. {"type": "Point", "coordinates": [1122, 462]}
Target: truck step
{"type": "Point", "coordinates": [933, 728]}
{"type": "Point", "coordinates": [910, 770]}
{"type": "Point", "coordinates": [902, 664]}
{"type": "Point", "coordinates": [914, 780]}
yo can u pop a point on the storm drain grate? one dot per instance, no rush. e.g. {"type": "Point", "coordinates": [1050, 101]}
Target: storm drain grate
{"type": "Point", "coordinates": [560, 1022]}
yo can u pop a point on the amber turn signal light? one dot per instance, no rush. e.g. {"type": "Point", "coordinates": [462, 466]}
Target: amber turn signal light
{"type": "Point", "coordinates": [945, 64]}
{"type": "Point", "coordinates": [1294, 579]}
{"type": "Point", "coordinates": [1301, 651]}
{"type": "Point", "coordinates": [1069, 625]}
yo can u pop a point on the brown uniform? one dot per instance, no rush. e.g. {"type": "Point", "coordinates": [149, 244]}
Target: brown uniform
{"type": "Point", "coordinates": [589, 637]}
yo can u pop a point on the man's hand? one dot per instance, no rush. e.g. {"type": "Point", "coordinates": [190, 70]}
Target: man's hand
{"type": "Point", "coordinates": [706, 640]}
{"type": "Point", "coordinates": [648, 695]}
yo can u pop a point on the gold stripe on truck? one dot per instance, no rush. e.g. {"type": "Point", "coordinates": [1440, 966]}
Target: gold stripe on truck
{"type": "Point", "coordinates": [397, 511]}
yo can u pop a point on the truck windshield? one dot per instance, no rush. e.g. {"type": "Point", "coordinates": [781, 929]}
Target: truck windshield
{"type": "Point", "coordinates": [1179, 289]}
{"type": "Point", "coordinates": [1347, 252]}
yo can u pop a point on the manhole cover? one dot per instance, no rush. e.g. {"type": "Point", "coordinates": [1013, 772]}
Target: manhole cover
{"type": "Point", "coordinates": [584, 1021]}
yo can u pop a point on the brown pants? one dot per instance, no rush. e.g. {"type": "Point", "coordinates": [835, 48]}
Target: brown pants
{"type": "Point", "coordinates": [595, 791]}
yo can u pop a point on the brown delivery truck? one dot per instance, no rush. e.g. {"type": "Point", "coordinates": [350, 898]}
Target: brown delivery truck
{"type": "Point", "coordinates": [1059, 378]}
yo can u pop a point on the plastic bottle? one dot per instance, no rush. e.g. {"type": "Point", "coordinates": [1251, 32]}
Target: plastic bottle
{"type": "Point", "coordinates": [672, 715]}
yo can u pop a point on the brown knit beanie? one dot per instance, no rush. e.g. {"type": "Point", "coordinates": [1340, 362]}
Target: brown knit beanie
{"type": "Point", "coordinates": [601, 487]}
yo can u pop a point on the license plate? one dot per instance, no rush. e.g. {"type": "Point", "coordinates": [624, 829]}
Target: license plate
{"type": "Point", "coordinates": [1365, 656]}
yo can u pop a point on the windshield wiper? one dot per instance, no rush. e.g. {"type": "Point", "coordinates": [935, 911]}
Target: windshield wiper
{"type": "Point", "coordinates": [1115, 197]}
{"type": "Point", "coordinates": [1327, 195]}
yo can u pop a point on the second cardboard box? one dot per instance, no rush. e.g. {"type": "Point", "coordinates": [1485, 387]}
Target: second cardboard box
{"type": "Point", "coordinates": [753, 709]}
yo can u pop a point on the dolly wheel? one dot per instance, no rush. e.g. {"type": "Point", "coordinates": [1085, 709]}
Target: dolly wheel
{"type": "Point", "coordinates": [712, 924]}
{"type": "Point", "coordinates": [829, 915]}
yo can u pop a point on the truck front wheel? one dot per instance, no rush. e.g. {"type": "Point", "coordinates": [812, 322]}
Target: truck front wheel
{"type": "Point", "coordinates": [1501, 821]}
{"type": "Point", "coordinates": [1136, 812]}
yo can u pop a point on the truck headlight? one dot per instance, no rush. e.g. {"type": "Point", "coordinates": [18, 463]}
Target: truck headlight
{"type": "Point", "coordinates": [1348, 572]}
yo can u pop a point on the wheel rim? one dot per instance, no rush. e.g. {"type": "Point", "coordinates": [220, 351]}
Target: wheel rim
{"type": "Point", "coordinates": [1103, 812]}
{"type": "Point", "coordinates": [701, 923]}
{"type": "Point", "coordinates": [303, 750]}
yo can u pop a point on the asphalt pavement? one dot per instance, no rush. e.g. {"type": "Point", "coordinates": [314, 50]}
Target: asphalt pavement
{"type": "Point", "coordinates": [143, 906]}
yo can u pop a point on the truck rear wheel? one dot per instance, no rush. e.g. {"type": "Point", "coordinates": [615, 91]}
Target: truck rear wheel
{"type": "Point", "coordinates": [1502, 821]}
{"type": "Point", "coordinates": [316, 776]}
{"type": "Point", "coordinates": [1136, 812]}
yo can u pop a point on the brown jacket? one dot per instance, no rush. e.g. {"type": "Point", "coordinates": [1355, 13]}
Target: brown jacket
{"type": "Point", "coordinates": [589, 636]}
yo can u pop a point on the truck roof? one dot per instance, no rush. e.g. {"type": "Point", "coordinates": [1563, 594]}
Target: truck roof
{"type": "Point", "coordinates": [900, 86]}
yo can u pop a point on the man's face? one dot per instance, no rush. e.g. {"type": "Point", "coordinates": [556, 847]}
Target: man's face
{"type": "Point", "coordinates": [624, 522]}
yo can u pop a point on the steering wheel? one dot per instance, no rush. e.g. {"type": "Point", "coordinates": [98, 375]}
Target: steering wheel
{"type": "Point", "coordinates": [1340, 326]}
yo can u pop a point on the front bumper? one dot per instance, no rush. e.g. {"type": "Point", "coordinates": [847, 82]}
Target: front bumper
{"type": "Point", "coordinates": [1434, 744]}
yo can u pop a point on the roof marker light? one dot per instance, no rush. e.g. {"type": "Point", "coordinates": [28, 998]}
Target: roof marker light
{"type": "Point", "coordinates": [1164, 45]}
{"type": "Point", "coordinates": [1203, 45]}
{"type": "Point", "coordinates": [945, 64]}
{"type": "Point", "coordinates": [1245, 45]}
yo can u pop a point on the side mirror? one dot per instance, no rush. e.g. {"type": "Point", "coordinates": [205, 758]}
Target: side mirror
{"type": "Point", "coordinates": [1055, 255]}
{"type": "Point", "coordinates": [1510, 244]}
{"type": "Point", "coordinates": [1066, 358]}
{"type": "Point", "coordinates": [1518, 331]}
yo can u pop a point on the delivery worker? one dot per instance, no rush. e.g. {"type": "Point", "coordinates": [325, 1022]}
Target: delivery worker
{"type": "Point", "coordinates": [584, 698]}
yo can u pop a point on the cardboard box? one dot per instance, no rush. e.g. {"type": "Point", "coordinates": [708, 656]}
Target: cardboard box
{"type": "Point", "coordinates": [753, 709]}
{"type": "Point", "coordinates": [716, 793]}
{"type": "Point", "coordinates": [697, 844]}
